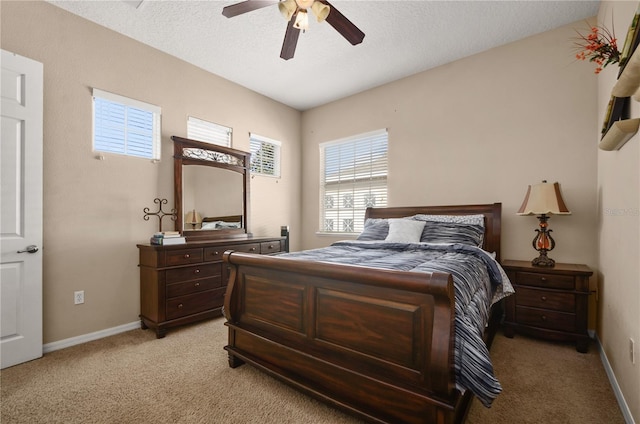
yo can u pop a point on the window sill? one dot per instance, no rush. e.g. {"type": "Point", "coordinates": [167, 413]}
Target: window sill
{"type": "Point", "coordinates": [327, 234]}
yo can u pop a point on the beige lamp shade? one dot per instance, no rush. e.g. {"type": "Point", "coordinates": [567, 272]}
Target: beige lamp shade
{"type": "Point", "coordinates": [193, 218]}
{"type": "Point", "coordinates": [542, 199]}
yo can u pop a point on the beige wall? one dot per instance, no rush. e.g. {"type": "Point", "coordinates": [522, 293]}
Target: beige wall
{"type": "Point", "coordinates": [618, 190]}
{"type": "Point", "coordinates": [93, 209]}
{"type": "Point", "coordinates": [479, 130]}
{"type": "Point", "coordinates": [474, 131]}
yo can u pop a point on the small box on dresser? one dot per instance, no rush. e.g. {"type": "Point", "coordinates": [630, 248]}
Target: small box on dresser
{"type": "Point", "coordinates": [186, 283]}
{"type": "Point", "coordinates": [550, 303]}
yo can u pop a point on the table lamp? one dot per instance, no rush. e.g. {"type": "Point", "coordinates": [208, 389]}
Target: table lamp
{"type": "Point", "coordinates": [193, 218]}
{"type": "Point", "coordinates": [543, 199]}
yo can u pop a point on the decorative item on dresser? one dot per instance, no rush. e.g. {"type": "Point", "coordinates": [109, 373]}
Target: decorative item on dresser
{"type": "Point", "coordinates": [543, 199]}
{"type": "Point", "coordinates": [550, 303]}
{"type": "Point", "coordinates": [186, 283]}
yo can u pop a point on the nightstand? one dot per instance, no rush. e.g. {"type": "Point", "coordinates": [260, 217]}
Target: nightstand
{"type": "Point", "coordinates": [550, 303]}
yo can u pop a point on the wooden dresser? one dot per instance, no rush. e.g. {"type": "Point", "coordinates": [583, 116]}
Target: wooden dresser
{"type": "Point", "coordinates": [550, 303]}
{"type": "Point", "coordinates": [181, 284]}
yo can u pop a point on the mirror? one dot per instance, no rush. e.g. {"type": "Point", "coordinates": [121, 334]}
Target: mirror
{"type": "Point", "coordinates": [198, 184]}
{"type": "Point", "coordinates": [213, 182]}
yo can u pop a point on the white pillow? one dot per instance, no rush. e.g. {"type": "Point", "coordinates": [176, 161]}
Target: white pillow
{"type": "Point", "coordinates": [405, 230]}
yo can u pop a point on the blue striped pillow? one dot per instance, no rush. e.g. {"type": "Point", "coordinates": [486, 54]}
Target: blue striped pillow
{"type": "Point", "coordinates": [374, 229]}
{"type": "Point", "coordinates": [451, 232]}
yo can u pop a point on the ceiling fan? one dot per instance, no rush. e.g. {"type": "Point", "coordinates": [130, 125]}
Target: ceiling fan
{"type": "Point", "coordinates": [296, 13]}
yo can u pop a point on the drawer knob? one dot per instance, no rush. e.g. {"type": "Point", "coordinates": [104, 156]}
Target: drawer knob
{"type": "Point", "coordinates": [216, 253]}
{"type": "Point", "coordinates": [271, 246]}
{"type": "Point", "coordinates": [187, 256]}
{"type": "Point", "coordinates": [544, 298]}
{"type": "Point", "coordinates": [197, 284]}
{"type": "Point", "coordinates": [180, 306]}
{"type": "Point", "coordinates": [543, 317]}
{"type": "Point", "coordinates": [543, 278]}
{"type": "Point", "coordinates": [196, 271]}
{"type": "Point", "coordinates": [253, 249]}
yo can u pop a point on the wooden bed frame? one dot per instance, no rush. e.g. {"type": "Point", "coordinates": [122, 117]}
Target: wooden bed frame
{"type": "Point", "coordinates": [228, 218]}
{"type": "Point", "coordinates": [376, 343]}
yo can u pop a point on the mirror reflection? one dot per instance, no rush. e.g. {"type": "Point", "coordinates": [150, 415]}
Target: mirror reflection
{"type": "Point", "coordinates": [212, 198]}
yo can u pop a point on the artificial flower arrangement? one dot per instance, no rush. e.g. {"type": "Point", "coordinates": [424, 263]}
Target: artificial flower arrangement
{"type": "Point", "coordinates": [599, 46]}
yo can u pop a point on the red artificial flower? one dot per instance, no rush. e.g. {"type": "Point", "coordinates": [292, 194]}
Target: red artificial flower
{"type": "Point", "coordinates": [599, 46]}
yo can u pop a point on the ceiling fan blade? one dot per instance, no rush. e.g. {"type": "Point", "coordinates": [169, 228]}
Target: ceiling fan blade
{"type": "Point", "coordinates": [246, 6]}
{"type": "Point", "coordinates": [290, 39]}
{"type": "Point", "coordinates": [344, 26]}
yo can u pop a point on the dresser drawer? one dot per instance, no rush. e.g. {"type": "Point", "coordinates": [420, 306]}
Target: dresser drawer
{"type": "Point", "coordinates": [193, 272]}
{"type": "Point", "coordinates": [194, 286]}
{"type": "Point", "coordinates": [545, 280]}
{"type": "Point", "coordinates": [193, 303]}
{"type": "Point", "coordinates": [183, 257]}
{"type": "Point", "coordinates": [543, 318]}
{"type": "Point", "coordinates": [212, 254]}
{"type": "Point", "coordinates": [270, 247]}
{"type": "Point", "coordinates": [246, 247]}
{"type": "Point", "coordinates": [545, 299]}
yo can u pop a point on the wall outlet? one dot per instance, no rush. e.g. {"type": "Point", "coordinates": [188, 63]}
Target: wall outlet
{"type": "Point", "coordinates": [632, 351]}
{"type": "Point", "coordinates": [78, 297]}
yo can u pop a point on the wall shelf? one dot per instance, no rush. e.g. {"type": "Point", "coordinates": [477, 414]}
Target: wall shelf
{"type": "Point", "coordinates": [619, 133]}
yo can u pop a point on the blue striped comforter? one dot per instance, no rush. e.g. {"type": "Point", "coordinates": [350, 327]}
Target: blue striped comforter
{"type": "Point", "coordinates": [478, 279]}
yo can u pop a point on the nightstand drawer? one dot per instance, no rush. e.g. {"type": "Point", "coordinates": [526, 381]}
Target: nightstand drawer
{"type": "Point", "coordinates": [539, 279]}
{"type": "Point", "coordinates": [565, 302]}
{"type": "Point", "coordinates": [543, 318]}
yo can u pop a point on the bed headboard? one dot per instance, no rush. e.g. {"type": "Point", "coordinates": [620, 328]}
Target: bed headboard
{"type": "Point", "coordinates": [492, 218]}
{"type": "Point", "coordinates": [228, 218]}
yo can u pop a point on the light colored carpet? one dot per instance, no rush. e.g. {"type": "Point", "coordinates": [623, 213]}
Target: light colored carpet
{"type": "Point", "coordinates": [184, 378]}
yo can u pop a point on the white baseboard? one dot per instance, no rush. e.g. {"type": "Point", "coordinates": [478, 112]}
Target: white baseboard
{"type": "Point", "coordinates": [72, 341]}
{"type": "Point", "coordinates": [624, 407]}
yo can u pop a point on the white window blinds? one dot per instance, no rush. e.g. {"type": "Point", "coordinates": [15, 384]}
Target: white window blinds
{"type": "Point", "coordinates": [125, 126]}
{"type": "Point", "coordinates": [209, 132]}
{"type": "Point", "coordinates": [353, 177]}
{"type": "Point", "coordinates": [265, 155]}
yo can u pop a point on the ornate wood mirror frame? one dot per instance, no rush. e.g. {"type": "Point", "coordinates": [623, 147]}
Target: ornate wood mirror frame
{"type": "Point", "coordinates": [191, 152]}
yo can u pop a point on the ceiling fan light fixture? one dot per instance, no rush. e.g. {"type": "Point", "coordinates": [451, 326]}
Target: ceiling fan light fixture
{"type": "Point", "coordinates": [304, 4]}
{"type": "Point", "coordinates": [321, 10]}
{"type": "Point", "coordinates": [287, 8]}
{"type": "Point", "coordinates": [302, 20]}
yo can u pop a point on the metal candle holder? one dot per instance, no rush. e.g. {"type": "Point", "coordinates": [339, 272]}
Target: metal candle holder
{"type": "Point", "coordinates": [160, 213]}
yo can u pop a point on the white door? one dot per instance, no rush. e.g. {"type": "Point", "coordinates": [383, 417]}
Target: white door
{"type": "Point", "coordinates": [21, 210]}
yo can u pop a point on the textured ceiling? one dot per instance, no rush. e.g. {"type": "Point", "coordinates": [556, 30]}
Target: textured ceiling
{"type": "Point", "coordinates": [402, 38]}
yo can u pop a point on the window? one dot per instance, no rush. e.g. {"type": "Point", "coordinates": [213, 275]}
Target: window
{"type": "Point", "coordinates": [200, 130]}
{"type": "Point", "coordinates": [353, 177]}
{"type": "Point", "coordinates": [265, 156]}
{"type": "Point", "coordinates": [125, 126]}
